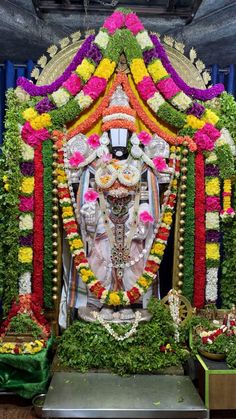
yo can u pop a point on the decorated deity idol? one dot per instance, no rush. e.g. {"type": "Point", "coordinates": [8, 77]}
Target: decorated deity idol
{"type": "Point", "coordinates": [114, 183]}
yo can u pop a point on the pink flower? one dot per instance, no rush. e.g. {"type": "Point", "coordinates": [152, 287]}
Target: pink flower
{"type": "Point", "coordinates": [146, 217]}
{"type": "Point", "coordinates": [26, 203]}
{"type": "Point", "coordinates": [159, 163]}
{"type": "Point", "coordinates": [168, 88]}
{"type": "Point", "coordinates": [144, 137]}
{"type": "Point", "coordinates": [76, 159]}
{"type": "Point", "coordinates": [203, 142]}
{"type": "Point", "coordinates": [146, 88]}
{"type": "Point", "coordinates": [133, 23]}
{"type": "Point", "coordinates": [230, 211]}
{"type": "Point", "coordinates": [211, 131]}
{"type": "Point", "coordinates": [34, 137]}
{"type": "Point", "coordinates": [212, 203]}
{"type": "Point", "coordinates": [114, 22]}
{"type": "Point", "coordinates": [95, 86]}
{"type": "Point", "coordinates": [91, 195]}
{"type": "Point", "coordinates": [73, 84]}
{"type": "Point", "coordinates": [106, 158]}
{"type": "Point", "coordinates": [94, 141]}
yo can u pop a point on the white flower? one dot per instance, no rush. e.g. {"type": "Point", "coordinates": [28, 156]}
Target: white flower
{"type": "Point", "coordinates": [155, 101]}
{"type": "Point", "coordinates": [83, 100]}
{"type": "Point", "coordinates": [21, 94]}
{"type": "Point", "coordinates": [26, 222]}
{"type": "Point", "coordinates": [212, 221]}
{"type": "Point", "coordinates": [181, 101]}
{"type": "Point", "coordinates": [27, 151]}
{"type": "Point", "coordinates": [212, 158]}
{"type": "Point", "coordinates": [102, 39]}
{"type": "Point", "coordinates": [60, 97]}
{"type": "Point", "coordinates": [211, 284]}
{"type": "Point", "coordinates": [144, 40]}
{"type": "Point", "coordinates": [25, 283]}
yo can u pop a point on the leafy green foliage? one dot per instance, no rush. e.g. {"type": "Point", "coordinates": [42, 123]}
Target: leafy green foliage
{"type": "Point", "coordinates": [88, 345]}
{"type": "Point", "coordinates": [9, 200]}
{"type": "Point", "coordinates": [22, 323]}
{"type": "Point", "coordinates": [171, 115]}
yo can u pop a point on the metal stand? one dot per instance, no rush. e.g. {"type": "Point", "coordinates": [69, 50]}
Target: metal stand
{"type": "Point", "coordinates": [102, 395]}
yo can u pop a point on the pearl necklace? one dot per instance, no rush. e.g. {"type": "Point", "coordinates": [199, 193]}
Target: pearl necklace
{"type": "Point", "coordinates": [142, 254]}
{"type": "Point", "coordinates": [115, 335]}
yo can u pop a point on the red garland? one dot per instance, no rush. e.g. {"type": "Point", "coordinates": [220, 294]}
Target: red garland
{"type": "Point", "coordinates": [37, 282]}
{"type": "Point", "coordinates": [200, 234]}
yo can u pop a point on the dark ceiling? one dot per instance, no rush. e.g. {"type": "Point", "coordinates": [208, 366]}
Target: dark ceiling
{"type": "Point", "coordinates": [29, 27]}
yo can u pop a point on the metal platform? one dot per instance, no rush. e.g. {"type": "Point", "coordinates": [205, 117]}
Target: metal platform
{"type": "Point", "coordinates": [102, 395]}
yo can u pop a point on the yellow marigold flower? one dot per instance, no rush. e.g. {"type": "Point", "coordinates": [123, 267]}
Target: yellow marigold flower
{"type": "Point", "coordinates": [194, 122]}
{"type": "Point", "coordinates": [143, 282]}
{"type": "Point", "coordinates": [85, 274]}
{"type": "Point", "coordinates": [227, 185]}
{"type": "Point", "coordinates": [27, 185]}
{"type": "Point", "coordinates": [85, 69]}
{"type": "Point", "coordinates": [29, 114]}
{"type": "Point", "coordinates": [76, 243]}
{"type": "Point", "coordinates": [210, 116]}
{"type": "Point", "coordinates": [25, 254]}
{"type": "Point", "coordinates": [138, 69]}
{"type": "Point", "coordinates": [7, 187]}
{"type": "Point", "coordinates": [213, 251]}
{"type": "Point", "coordinates": [105, 68]}
{"type": "Point", "coordinates": [158, 248]}
{"type": "Point", "coordinates": [157, 70]}
{"type": "Point", "coordinates": [41, 121]}
{"type": "Point", "coordinates": [226, 202]}
{"type": "Point", "coordinates": [167, 218]}
{"type": "Point", "coordinates": [114, 299]}
{"type": "Point", "coordinates": [61, 179]}
{"type": "Point", "coordinates": [213, 187]}
{"type": "Point", "coordinates": [67, 212]}
{"type": "Point", "coordinates": [5, 178]}
{"type": "Point", "coordinates": [174, 183]}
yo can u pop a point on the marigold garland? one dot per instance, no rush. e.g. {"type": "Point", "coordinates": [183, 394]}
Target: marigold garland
{"type": "Point", "coordinates": [77, 249]}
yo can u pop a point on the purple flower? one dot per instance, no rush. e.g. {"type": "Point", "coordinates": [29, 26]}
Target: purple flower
{"type": "Point", "coordinates": [196, 109]}
{"type": "Point", "coordinates": [149, 55]}
{"type": "Point", "coordinates": [27, 168]}
{"type": "Point", "coordinates": [33, 90]}
{"type": "Point", "coordinates": [44, 105]}
{"type": "Point", "coordinates": [27, 240]}
{"type": "Point", "coordinates": [94, 54]}
{"type": "Point", "coordinates": [201, 94]}
{"type": "Point", "coordinates": [211, 170]}
{"type": "Point", "coordinates": [212, 236]}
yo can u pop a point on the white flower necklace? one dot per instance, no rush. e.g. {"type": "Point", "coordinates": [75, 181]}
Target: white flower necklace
{"type": "Point", "coordinates": [115, 335]}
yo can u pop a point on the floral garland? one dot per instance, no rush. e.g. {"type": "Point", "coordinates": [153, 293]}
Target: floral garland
{"type": "Point", "coordinates": [26, 208]}
{"type": "Point", "coordinates": [116, 336]}
{"type": "Point", "coordinates": [212, 224]}
{"type": "Point", "coordinates": [48, 242]}
{"type": "Point", "coordinates": [225, 150]}
{"type": "Point", "coordinates": [200, 237]}
{"type": "Point", "coordinates": [200, 94]}
{"type": "Point", "coordinates": [77, 248]}
{"type": "Point", "coordinates": [33, 90]}
{"type": "Point", "coordinates": [22, 348]}
{"type": "Point", "coordinates": [188, 261]}
{"type": "Point", "coordinates": [38, 244]}
{"type": "Point", "coordinates": [228, 213]}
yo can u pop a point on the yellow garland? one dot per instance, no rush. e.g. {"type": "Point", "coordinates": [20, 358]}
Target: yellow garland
{"type": "Point", "coordinates": [29, 114]}
{"type": "Point", "coordinates": [157, 70]}
{"type": "Point", "coordinates": [85, 69]}
{"type": "Point", "coordinates": [194, 122]}
{"type": "Point", "coordinates": [138, 69]}
{"type": "Point", "coordinates": [27, 185]}
{"type": "Point", "coordinates": [212, 187]}
{"type": "Point", "coordinates": [41, 121]}
{"type": "Point", "coordinates": [210, 117]}
{"type": "Point", "coordinates": [213, 251]}
{"type": "Point", "coordinates": [105, 69]}
{"type": "Point", "coordinates": [114, 299]}
{"type": "Point", "coordinates": [25, 254]}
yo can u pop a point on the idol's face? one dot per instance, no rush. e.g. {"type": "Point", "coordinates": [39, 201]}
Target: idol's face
{"type": "Point", "coordinates": [119, 140]}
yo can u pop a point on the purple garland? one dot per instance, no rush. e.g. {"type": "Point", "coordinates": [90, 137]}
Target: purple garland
{"type": "Point", "coordinates": [33, 90]}
{"type": "Point", "coordinates": [201, 94]}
